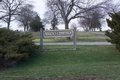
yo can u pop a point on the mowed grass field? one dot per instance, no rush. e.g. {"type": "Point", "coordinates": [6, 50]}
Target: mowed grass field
{"type": "Point", "coordinates": [100, 61]}
{"type": "Point", "coordinates": [81, 37]}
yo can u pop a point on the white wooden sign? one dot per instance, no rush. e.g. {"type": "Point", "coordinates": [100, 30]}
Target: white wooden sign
{"type": "Point", "coordinates": [58, 33]}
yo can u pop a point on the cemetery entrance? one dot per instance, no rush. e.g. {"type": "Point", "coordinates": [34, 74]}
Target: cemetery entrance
{"type": "Point", "coordinates": [58, 33]}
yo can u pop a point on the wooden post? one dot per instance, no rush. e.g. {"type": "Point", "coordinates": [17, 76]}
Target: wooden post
{"type": "Point", "coordinates": [41, 39]}
{"type": "Point", "coordinates": [74, 38]}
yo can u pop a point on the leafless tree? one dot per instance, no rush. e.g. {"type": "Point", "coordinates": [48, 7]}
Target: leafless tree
{"type": "Point", "coordinates": [71, 9]}
{"type": "Point", "coordinates": [84, 23]}
{"type": "Point", "coordinates": [113, 5]}
{"type": "Point", "coordinates": [25, 16]}
{"type": "Point", "coordinates": [8, 9]}
{"type": "Point", "coordinates": [51, 18]}
{"type": "Point", "coordinates": [96, 20]}
{"type": "Point", "coordinates": [92, 20]}
{"type": "Point", "coordinates": [51, 15]}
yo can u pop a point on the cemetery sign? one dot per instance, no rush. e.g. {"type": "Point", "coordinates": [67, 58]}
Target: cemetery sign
{"type": "Point", "coordinates": [58, 33]}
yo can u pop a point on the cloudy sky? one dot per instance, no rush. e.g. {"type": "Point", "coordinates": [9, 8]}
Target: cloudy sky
{"type": "Point", "coordinates": [39, 8]}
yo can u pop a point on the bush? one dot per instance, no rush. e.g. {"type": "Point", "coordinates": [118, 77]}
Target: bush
{"type": "Point", "coordinates": [15, 47]}
{"type": "Point", "coordinates": [114, 34]}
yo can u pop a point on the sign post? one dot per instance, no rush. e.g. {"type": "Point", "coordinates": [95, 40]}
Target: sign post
{"type": "Point", "coordinates": [41, 39]}
{"type": "Point", "coordinates": [74, 38]}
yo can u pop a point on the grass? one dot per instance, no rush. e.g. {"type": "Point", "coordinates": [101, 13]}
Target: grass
{"type": "Point", "coordinates": [101, 61]}
{"type": "Point", "coordinates": [81, 37]}
{"type": "Point", "coordinates": [90, 37]}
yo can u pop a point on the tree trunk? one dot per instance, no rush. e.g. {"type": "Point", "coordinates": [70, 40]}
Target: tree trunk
{"type": "Point", "coordinates": [8, 25]}
{"type": "Point", "coordinates": [94, 29]}
{"type": "Point", "coordinates": [24, 28]}
{"type": "Point", "coordinates": [53, 27]}
{"type": "Point", "coordinates": [100, 29]}
{"type": "Point", "coordinates": [66, 27]}
{"type": "Point", "coordinates": [27, 28]}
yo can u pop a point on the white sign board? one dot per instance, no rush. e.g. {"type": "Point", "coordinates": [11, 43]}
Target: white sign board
{"type": "Point", "coordinates": [58, 33]}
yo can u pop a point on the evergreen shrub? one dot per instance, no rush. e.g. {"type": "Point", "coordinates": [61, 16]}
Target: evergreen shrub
{"type": "Point", "coordinates": [15, 47]}
{"type": "Point", "coordinates": [114, 33]}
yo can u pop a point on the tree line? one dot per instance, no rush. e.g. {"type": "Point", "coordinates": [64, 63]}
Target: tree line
{"type": "Point", "coordinates": [89, 13]}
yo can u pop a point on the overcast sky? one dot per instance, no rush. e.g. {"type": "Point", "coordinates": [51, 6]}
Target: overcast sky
{"type": "Point", "coordinates": [39, 7]}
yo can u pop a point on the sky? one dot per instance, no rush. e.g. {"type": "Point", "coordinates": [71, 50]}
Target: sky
{"type": "Point", "coordinates": [39, 7]}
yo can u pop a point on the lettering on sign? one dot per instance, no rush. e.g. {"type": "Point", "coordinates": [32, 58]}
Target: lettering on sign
{"type": "Point", "coordinates": [58, 33]}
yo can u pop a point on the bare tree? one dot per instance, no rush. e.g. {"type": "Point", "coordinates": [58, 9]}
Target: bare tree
{"type": "Point", "coordinates": [113, 5]}
{"type": "Point", "coordinates": [52, 14]}
{"type": "Point", "coordinates": [26, 15]}
{"type": "Point", "coordinates": [84, 23]}
{"type": "Point", "coordinates": [92, 20]}
{"type": "Point", "coordinates": [51, 18]}
{"type": "Point", "coordinates": [71, 9]}
{"type": "Point", "coordinates": [96, 20]}
{"type": "Point", "coordinates": [8, 9]}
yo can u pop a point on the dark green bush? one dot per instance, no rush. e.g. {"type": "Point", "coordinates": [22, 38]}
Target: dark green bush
{"type": "Point", "coordinates": [114, 33]}
{"type": "Point", "coordinates": [15, 47]}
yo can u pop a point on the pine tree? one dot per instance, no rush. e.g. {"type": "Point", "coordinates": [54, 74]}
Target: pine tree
{"type": "Point", "coordinates": [36, 24]}
{"type": "Point", "coordinates": [114, 34]}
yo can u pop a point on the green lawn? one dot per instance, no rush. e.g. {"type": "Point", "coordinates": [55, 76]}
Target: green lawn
{"type": "Point", "coordinates": [81, 37]}
{"type": "Point", "coordinates": [101, 61]}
